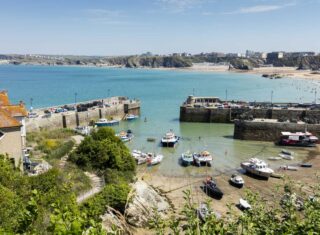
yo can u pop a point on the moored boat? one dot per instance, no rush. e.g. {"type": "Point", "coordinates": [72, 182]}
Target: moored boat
{"type": "Point", "coordinates": [139, 156]}
{"type": "Point", "coordinates": [125, 136]}
{"type": "Point", "coordinates": [300, 139]}
{"type": "Point", "coordinates": [212, 189]}
{"type": "Point", "coordinates": [286, 156]}
{"type": "Point", "coordinates": [186, 158]}
{"type": "Point", "coordinates": [289, 168]}
{"type": "Point", "coordinates": [274, 158]}
{"type": "Point", "coordinates": [284, 151]}
{"type": "Point", "coordinates": [244, 204]}
{"type": "Point", "coordinates": [237, 181]}
{"type": "Point", "coordinates": [203, 158]}
{"type": "Point", "coordinates": [306, 165]}
{"type": "Point", "coordinates": [131, 117]}
{"type": "Point", "coordinates": [104, 122]}
{"type": "Point", "coordinates": [154, 159]}
{"type": "Point", "coordinates": [169, 140]}
{"type": "Point", "coordinates": [257, 167]}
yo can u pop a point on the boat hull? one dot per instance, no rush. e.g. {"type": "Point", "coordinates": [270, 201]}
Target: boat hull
{"type": "Point", "coordinates": [235, 184]}
{"type": "Point", "coordinates": [255, 172]}
{"type": "Point", "coordinates": [107, 124]}
{"type": "Point", "coordinates": [169, 144]}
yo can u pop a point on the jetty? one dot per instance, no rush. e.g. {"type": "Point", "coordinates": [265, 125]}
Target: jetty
{"type": "Point", "coordinates": [81, 113]}
{"type": "Point", "coordinates": [253, 120]}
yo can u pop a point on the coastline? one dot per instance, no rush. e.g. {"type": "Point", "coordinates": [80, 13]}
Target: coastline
{"type": "Point", "coordinates": [283, 72]}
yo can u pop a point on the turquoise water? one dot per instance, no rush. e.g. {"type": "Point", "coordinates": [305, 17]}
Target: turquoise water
{"type": "Point", "coordinates": [161, 93]}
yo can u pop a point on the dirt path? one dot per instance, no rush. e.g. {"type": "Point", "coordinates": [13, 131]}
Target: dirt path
{"type": "Point", "coordinates": [97, 185]}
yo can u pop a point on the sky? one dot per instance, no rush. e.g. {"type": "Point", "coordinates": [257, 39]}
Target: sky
{"type": "Point", "coordinates": [124, 27]}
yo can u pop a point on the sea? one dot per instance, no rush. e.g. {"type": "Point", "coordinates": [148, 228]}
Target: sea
{"type": "Point", "coordinates": [161, 93]}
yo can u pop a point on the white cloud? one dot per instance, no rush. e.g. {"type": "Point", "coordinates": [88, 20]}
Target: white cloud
{"type": "Point", "coordinates": [104, 16]}
{"type": "Point", "coordinates": [260, 8]}
{"type": "Point", "coordinates": [180, 5]}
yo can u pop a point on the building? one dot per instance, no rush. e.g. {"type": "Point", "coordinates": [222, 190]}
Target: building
{"type": "Point", "coordinates": [275, 55]}
{"type": "Point", "coordinates": [12, 129]}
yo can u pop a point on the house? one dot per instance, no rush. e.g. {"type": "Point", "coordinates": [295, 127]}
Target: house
{"type": "Point", "coordinates": [12, 129]}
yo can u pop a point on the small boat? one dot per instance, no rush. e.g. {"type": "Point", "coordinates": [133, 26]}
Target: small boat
{"type": "Point", "coordinates": [105, 122]}
{"type": "Point", "coordinates": [186, 158]}
{"type": "Point", "coordinates": [244, 204]}
{"type": "Point", "coordinates": [203, 211]}
{"type": "Point", "coordinates": [211, 188]}
{"type": "Point", "coordinates": [154, 159]}
{"type": "Point", "coordinates": [151, 139]}
{"type": "Point", "coordinates": [139, 156]}
{"type": "Point", "coordinates": [305, 165]}
{"type": "Point", "coordinates": [274, 158]}
{"type": "Point", "coordinates": [289, 168]}
{"type": "Point", "coordinates": [131, 117]}
{"type": "Point", "coordinates": [169, 140]}
{"type": "Point", "coordinates": [257, 167]}
{"type": "Point", "coordinates": [285, 156]}
{"type": "Point", "coordinates": [203, 158]}
{"type": "Point", "coordinates": [83, 130]}
{"type": "Point", "coordinates": [237, 181]}
{"type": "Point", "coordinates": [284, 151]}
{"type": "Point", "coordinates": [300, 139]}
{"type": "Point", "coordinates": [125, 136]}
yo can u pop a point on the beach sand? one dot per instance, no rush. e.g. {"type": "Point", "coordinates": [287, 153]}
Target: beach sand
{"type": "Point", "coordinates": [173, 187]}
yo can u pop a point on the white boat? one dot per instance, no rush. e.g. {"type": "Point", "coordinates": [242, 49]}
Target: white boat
{"type": "Point", "coordinates": [244, 204]}
{"type": "Point", "coordinates": [130, 117]}
{"type": "Point", "coordinates": [169, 140]}
{"type": "Point", "coordinates": [285, 156]}
{"type": "Point", "coordinates": [139, 156]}
{"type": "Point", "coordinates": [257, 167]}
{"type": "Point", "coordinates": [237, 180]}
{"type": "Point", "coordinates": [83, 130]}
{"type": "Point", "coordinates": [104, 122]}
{"type": "Point", "coordinates": [186, 158]}
{"type": "Point", "coordinates": [274, 158]}
{"type": "Point", "coordinates": [203, 211]}
{"type": "Point", "coordinates": [284, 151]}
{"type": "Point", "coordinates": [154, 159]}
{"type": "Point", "coordinates": [203, 158]}
{"type": "Point", "coordinates": [289, 168]}
{"type": "Point", "coordinates": [125, 136]}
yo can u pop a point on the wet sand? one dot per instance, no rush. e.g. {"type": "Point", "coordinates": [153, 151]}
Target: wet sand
{"type": "Point", "coordinates": [173, 187]}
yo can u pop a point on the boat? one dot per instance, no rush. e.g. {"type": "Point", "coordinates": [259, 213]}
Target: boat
{"type": "Point", "coordinates": [274, 158]}
{"type": "Point", "coordinates": [203, 158]}
{"type": "Point", "coordinates": [305, 165]}
{"type": "Point", "coordinates": [169, 140]}
{"type": "Point", "coordinates": [237, 180]}
{"type": "Point", "coordinates": [151, 139]}
{"type": "Point", "coordinates": [104, 122]}
{"type": "Point", "coordinates": [285, 156]}
{"type": "Point", "coordinates": [154, 159]}
{"type": "Point", "coordinates": [257, 167]}
{"type": "Point", "coordinates": [284, 151]}
{"type": "Point", "coordinates": [83, 130]}
{"type": "Point", "coordinates": [211, 188]}
{"type": "Point", "coordinates": [244, 204]}
{"type": "Point", "coordinates": [203, 211]}
{"type": "Point", "coordinates": [131, 117]}
{"type": "Point", "coordinates": [125, 136]}
{"type": "Point", "coordinates": [187, 158]}
{"type": "Point", "coordinates": [139, 156]}
{"type": "Point", "coordinates": [289, 168]}
{"type": "Point", "coordinates": [300, 139]}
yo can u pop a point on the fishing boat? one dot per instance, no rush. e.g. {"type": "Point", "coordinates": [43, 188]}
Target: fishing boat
{"type": "Point", "coordinates": [274, 158]}
{"type": "Point", "coordinates": [186, 158]}
{"type": "Point", "coordinates": [300, 139]}
{"type": "Point", "coordinates": [169, 140]}
{"type": "Point", "coordinates": [203, 211]}
{"type": "Point", "coordinates": [154, 159]}
{"type": "Point", "coordinates": [211, 188]}
{"type": "Point", "coordinates": [237, 181]}
{"type": "Point", "coordinates": [244, 204]}
{"type": "Point", "coordinates": [257, 167]}
{"type": "Point", "coordinates": [131, 117]}
{"type": "Point", "coordinates": [125, 136]}
{"type": "Point", "coordinates": [286, 156]}
{"type": "Point", "coordinates": [305, 165]}
{"type": "Point", "coordinates": [203, 158]}
{"type": "Point", "coordinates": [139, 156]}
{"type": "Point", "coordinates": [104, 122]}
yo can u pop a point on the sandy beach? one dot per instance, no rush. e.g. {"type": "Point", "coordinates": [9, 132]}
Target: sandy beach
{"type": "Point", "coordinates": [288, 72]}
{"type": "Point", "coordinates": [173, 187]}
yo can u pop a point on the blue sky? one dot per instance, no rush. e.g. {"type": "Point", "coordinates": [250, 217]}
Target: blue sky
{"type": "Point", "coordinates": [121, 27]}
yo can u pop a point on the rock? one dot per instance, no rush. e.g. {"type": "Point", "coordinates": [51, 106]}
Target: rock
{"type": "Point", "coordinates": [141, 205]}
{"type": "Point", "coordinates": [113, 218]}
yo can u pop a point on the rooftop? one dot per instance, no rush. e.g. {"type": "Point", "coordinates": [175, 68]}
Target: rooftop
{"type": "Point", "coordinates": [6, 120]}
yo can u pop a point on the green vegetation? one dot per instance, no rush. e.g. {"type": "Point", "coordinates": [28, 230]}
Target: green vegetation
{"type": "Point", "coordinates": [286, 215]}
{"type": "Point", "coordinates": [43, 204]}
